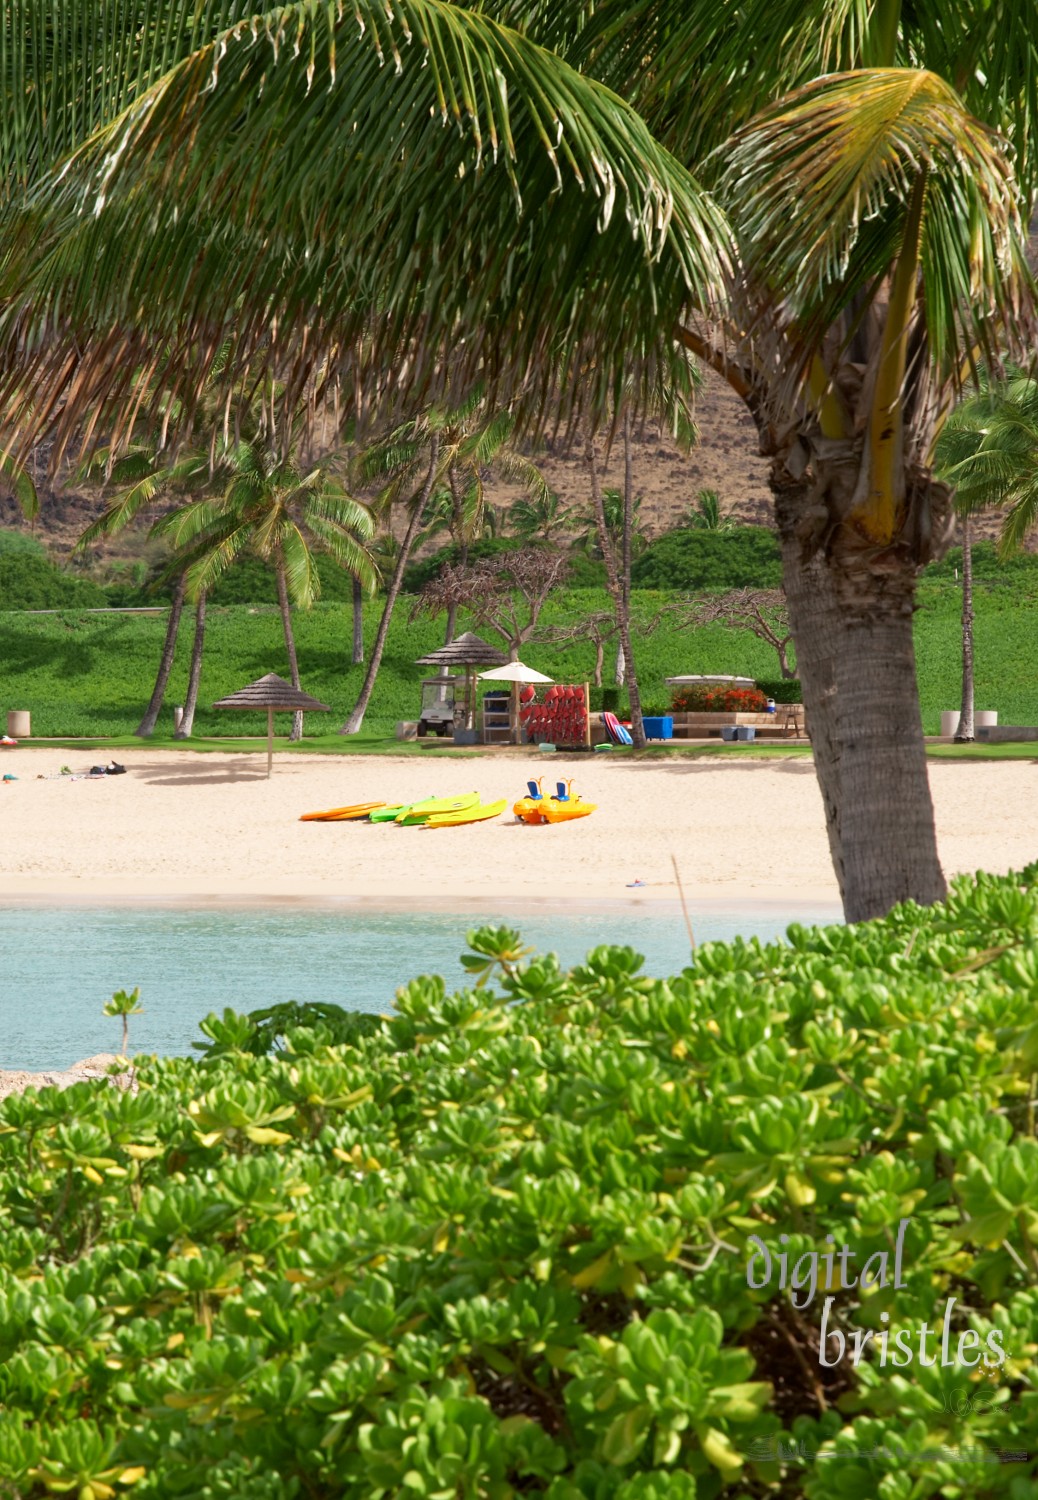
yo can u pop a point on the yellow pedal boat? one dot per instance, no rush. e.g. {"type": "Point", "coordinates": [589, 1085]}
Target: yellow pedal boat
{"type": "Point", "coordinates": [528, 808]}
{"type": "Point", "coordinates": [536, 808]}
{"type": "Point", "coordinates": [478, 814]}
{"type": "Point", "coordinates": [556, 810]}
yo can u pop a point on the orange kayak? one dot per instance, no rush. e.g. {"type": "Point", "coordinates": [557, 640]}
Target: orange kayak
{"type": "Point", "coordinates": [342, 814]}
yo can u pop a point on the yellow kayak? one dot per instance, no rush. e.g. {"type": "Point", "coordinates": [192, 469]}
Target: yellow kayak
{"type": "Point", "coordinates": [341, 814]}
{"type": "Point", "coordinates": [478, 814]}
{"type": "Point", "coordinates": [421, 812]}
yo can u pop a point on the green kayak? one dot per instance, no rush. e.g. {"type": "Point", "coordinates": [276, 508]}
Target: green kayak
{"type": "Point", "coordinates": [420, 811]}
{"type": "Point", "coordinates": [390, 814]}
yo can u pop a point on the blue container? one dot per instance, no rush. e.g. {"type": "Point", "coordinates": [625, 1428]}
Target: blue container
{"type": "Point", "coordinates": [745, 732]}
{"type": "Point", "coordinates": [659, 728]}
{"type": "Point", "coordinates": [729, 732]}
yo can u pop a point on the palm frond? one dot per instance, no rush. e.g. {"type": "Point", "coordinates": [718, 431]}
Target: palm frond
{"type": "Point", "coordinates": [18, 479]}
{"type": "Point", "coordinates": [283, 178]}
{"type": "Point", "coordinates": [301, 576]}
{"type": "Point", "coordinates": [822, 183]}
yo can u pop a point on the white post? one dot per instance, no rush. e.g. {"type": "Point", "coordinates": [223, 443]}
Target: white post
{"type": "Point", "coordinates": [270, 741]}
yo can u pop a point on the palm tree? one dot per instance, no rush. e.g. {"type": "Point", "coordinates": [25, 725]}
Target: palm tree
{"type": "Point", "coordinates": [962, 436]}
{"type": "Point", "coordinates": [991, 455]}
{"type": "Point", "coordinates": [706, 514]}
{"type": "Point", "coordinates": [541, 518]}
{"type": "Point", "coordinates": [435, 467]}
{"type": "Point", "coordinates": [859, 250]}
{"type": "Point", "coordinates": [145, 479]}
{"type": "Point", "coordinates": [274, 509]}
{"type": "Point", "coordinates": [988, 451]}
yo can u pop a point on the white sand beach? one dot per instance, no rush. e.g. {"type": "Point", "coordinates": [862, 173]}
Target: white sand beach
{"type": "Point", "coordinates": [187, 826]}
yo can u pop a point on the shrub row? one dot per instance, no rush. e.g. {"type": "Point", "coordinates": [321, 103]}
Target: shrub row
{"type": "Point", "coordinates": [539, 1237]}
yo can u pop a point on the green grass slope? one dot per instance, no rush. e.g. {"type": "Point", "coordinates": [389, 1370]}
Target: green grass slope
{"type": "Point", "coordinates": [91, 674]}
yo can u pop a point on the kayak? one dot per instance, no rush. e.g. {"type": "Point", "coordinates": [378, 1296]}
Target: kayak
{"type": "Point", "coordinates": [394, 814]}
{"type": "Point", "coordinates": [423, 811]}
{"type": "Point", "coordinates": [341, 814]}
{"type": "Point", "coordinates": [481, 813]}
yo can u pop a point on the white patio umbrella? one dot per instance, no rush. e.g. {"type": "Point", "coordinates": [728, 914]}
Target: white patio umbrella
{"type": "Point", "coordinates": [514, 672]}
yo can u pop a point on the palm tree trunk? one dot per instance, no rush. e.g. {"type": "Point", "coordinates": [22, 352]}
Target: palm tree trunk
{"type": "Point", "coordinates": [195, 674]}
{"type": "Point", "coordinates": [146, 728]}
{"type": "Point", "coordinates": [358, 623]}
{"type": "Point", "coordinates": [621, 607]}
{"type": "Point", "coordinates": [814, 619]}
{"type": "Point", "coordinates": [458, 535]}
{"type": "Point", "coordinates": [886, 813]}
{"type": "Point", "coordinates": [290, 645]}
{"type": "Point", "coordinates": [967, 733]}
{"type": "Point", "coordinates": [856, 660]}
{"type": "Point", "coordinates": [356, 719]}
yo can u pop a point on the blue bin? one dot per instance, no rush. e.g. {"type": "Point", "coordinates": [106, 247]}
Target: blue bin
{"type": "Point", "coordinates": [745, 732]}
{"type": "Point", "coordinates": [729, 732]}
{"type": "Point", "coordinates": [659, 728]}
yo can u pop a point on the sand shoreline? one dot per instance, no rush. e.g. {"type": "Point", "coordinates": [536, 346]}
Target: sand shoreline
{"type": "Point", "coordinates": [208, 828]}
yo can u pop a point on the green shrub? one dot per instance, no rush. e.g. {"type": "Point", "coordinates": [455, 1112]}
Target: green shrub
{"type": "Point", "coordinates": [29, 580]}
{"type": "Point", "coordinates": [611, 700]}
{"type": "Point", "coordinates": [781, 689]}
{"type": "Point", "coordinates": [502, 1242]}
{"type": "Point", "coordinates": [21, 542]}
{"type": "Point", "coordinates": [417, 574]}
{"type": "Point", "coordinates": [585, 572]}
{"type": "Point", "coordinates": [694, 561]}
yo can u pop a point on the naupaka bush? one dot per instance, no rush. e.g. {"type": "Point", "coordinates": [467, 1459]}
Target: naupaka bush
{"type": "Point", "coordinates": [499, 1242]}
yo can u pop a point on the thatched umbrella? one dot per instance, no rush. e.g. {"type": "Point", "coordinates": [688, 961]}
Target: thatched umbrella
{"type": "Point", "coordinates": [275, 695]}
{"type": "Point", "coordinates": [468, 651]}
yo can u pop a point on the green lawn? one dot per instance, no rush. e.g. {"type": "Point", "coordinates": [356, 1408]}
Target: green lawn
{"type": "Point", "coordinates": [85, 674]}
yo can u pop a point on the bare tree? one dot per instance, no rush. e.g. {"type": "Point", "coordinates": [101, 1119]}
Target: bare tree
{"type": "Point", "coordinates": [761, 611]}
{"type": "Point", "coordinates": [505, 593]}
{"type": "Point", "coordinates": [600, 629]}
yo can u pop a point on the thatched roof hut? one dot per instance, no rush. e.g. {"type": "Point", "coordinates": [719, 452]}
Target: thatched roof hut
{"type": "Point", "coordinates": [466, 650]}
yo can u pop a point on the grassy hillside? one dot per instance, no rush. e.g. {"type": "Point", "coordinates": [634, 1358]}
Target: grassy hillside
{"type": "Point", "coordinates": [91, 674]}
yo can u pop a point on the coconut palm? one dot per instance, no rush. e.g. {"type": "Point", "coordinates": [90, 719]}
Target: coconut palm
{"type": "Point", "coordinates": [282, 513]}
{"type": "Point", "coordinates": [860, 249]}
{"type": "Point", "coordinates": [434, 468]}
{"type": "Point", "coordinates": [542, 518]}
{"type": "Point", "coordinates": [706, 514]}
{"type": "Point", "coordinates": [988, 451]}
{"type": "Point", "coordinates": [145, 478]}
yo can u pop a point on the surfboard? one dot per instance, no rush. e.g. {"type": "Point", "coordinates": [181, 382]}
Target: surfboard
{"type": "Point", "coordinates": [616, 730]}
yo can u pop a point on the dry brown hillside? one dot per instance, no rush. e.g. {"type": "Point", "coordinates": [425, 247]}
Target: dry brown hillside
{"type": "Point", "coordinates": [727, 460]}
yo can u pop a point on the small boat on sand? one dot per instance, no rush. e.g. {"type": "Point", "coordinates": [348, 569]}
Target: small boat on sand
{"type": "Point", "coordinates": [480, 813]}
{"type": "Point", "coordinates": [341, 814]}
{"type": "Point", "coordinates": [423, 811]}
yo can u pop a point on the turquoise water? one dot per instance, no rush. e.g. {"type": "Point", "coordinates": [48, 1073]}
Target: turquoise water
{"type": "Point", "coordinates": [60, 965]}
